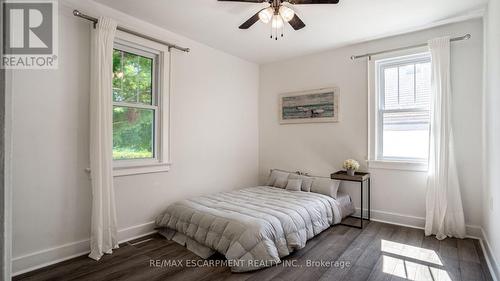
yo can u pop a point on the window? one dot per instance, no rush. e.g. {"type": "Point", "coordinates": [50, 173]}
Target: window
{"type": "Point", "coordinates": [139, 118]}
{"type": "Point", "coordinates": [402, 107]}
{"type": "Point", "coordinates": [134, 105]}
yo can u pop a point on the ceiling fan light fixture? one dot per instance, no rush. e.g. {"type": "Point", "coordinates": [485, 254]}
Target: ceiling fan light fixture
{"type": "Point", "coordinates": [278, 13]}
{"type": "Point", "coordinates": [277, 22]}
{"type": "Point", "coordinates": [266, 15]}
{"type": "Point", "coordinates": [286, 13]}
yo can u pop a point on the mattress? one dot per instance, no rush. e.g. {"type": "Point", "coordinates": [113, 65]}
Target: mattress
{"type": "Point", "coordinates": [346, 205]}
{"type": "Point", "coordinates": [253, 227]}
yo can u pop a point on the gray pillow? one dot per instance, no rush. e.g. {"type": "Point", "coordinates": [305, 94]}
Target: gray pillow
{"type": "Point", "coordinates": [274, 175]}
{"type": "Point", "coordinates": [325, 186]}
{"type": "Point", "coordinates": [306, 181]}
{"type": "Point", "coordinates": [281, 180]}
{"type": "Point", "coordinates": [294, 184]}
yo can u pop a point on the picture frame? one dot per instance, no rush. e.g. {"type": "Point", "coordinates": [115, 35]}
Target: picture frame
{"type": "Point", "coordinates": [311, 106]}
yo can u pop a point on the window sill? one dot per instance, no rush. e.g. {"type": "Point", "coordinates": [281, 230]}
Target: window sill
{"type": "Point", "coordinates": [398, 165]}
{"type": "Point", "coordinates": [142, 169]}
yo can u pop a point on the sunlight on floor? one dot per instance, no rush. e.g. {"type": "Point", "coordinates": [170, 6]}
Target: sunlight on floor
{"type": "Point", "coordinates": [412, 252]}
{"type": "Point", "coordinates": [412, 263]}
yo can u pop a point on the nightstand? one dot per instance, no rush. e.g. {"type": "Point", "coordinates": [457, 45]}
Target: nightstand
{"type": "Point", "coordinates": [361, 178]}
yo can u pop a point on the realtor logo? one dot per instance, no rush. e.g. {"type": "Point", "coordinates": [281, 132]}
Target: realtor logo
{"type": "Point", "coordinates": [29, 32]}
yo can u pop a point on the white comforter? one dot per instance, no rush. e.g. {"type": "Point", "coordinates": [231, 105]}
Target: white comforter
{"type": "Point", "coordinates": [253, 227]}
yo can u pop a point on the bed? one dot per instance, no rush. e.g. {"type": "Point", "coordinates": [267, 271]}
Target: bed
{"type": "Point", "coordinates": [253, 227]}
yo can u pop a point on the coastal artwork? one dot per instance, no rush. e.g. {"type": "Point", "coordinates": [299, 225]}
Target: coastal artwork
{"type": "Point", "coordinates": [310, 106]}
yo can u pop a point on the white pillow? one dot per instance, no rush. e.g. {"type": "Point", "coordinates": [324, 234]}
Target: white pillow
{"type": "Point", "coordinates": [294, 184]}
{"type": "Point", "coordinates": [325, 186]}
{"type": "Point", "coordinates": [281, 180]}
{"type": "Point", "coordinates": [274, 175]}
{"type": "Point", "coordinates": [306, 181]}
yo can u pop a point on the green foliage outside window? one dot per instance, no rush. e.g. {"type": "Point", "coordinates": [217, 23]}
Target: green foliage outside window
{"type": "Point", "coordinates": [133, 127]}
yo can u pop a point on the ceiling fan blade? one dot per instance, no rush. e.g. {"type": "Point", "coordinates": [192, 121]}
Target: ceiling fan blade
{"type": "Point", "coordinates": [251, 21]}
{"type": "Point", "coordinates": [297, 23]}
{"type": "Point", "coordinates": [244, 1]}
{"type": "Point", "coordinates": [299, 2]}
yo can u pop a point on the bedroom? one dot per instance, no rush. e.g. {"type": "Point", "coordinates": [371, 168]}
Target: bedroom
{"type": "Point", "coordinates": [239, 104]}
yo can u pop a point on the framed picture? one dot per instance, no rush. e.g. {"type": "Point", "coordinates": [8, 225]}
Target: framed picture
{"type": "Point", "coordinates": [312, 106]}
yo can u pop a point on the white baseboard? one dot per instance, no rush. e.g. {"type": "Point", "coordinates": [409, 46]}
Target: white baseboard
{"type": "Point", "coordinates": [136, 231]}
{"type": "Point", "coordinates": [473, 231]}
{"type": "Point", "coordinates": [46, 257]}
{"type": "Point", "coordinates": [493, 265]}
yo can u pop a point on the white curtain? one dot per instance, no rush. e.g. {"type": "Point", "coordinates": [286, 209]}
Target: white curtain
{"type": "Point", "coordinates": [444, 212]}
{"type": "Point", "coordinates": [103, 237]}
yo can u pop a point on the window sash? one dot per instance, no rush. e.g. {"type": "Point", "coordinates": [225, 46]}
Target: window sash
{"type": "Point", "coordinates": [147, 54]}
{"type": "Point", "coordinates": [411, 109]}
{"type": "Point", "coordinates": [380, 149]}
{"type": "Point", "coordinates": [135, 105]}
{"type": "Point", "coordinates": [393, 63]}
{"type": "Point", "coordinates": [154, 135]}
{"type": "Point", "coordinates": [155, 106]}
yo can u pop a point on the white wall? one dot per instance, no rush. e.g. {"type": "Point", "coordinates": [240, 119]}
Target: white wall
{"type": "Point", "coordinates": [491, 222]}
{"type": "Point", "coordinates": [214, 141]}
{"type": "Point", "coordinates": [397, 196]}
{"type": "Point", "coordinates": [216, 134]}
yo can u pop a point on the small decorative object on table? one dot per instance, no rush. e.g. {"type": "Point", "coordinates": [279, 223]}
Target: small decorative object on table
{"type": "Point", "coordinates": [351, 166]}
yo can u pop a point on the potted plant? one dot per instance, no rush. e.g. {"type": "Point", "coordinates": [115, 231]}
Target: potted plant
{"type": "Point", "coordinates": [351, 166]}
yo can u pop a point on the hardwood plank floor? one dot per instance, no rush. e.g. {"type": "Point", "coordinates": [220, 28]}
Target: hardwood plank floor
{"type": "Point", "coordinates": [378, 252]}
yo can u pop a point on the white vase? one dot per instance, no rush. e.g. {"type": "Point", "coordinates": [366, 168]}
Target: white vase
{"type": "Point", "coordinates": [351, 172]}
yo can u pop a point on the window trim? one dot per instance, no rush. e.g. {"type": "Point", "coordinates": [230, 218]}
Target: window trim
{"type": "Point", "coordinates": [160, 104]}
{"type": "Point", "coordinates": [374, 101]}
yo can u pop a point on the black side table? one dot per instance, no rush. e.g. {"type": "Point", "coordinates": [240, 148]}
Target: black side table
{"type": "Point", "coordinates": [361, 178]}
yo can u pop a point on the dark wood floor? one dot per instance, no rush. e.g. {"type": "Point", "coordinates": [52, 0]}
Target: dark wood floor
{"type": "Point", "coordinates": [379, 252]}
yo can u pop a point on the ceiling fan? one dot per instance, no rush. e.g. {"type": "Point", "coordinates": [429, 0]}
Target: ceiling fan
{"type": "Point", "coordinates": [277, 13]}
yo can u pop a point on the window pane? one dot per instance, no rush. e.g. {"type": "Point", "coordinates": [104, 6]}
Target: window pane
{"type": "Point", "coordinates": [407, 86]}
{"type": "Point", "coordinates": [133, 133]}
{"type": "Point", "coordinates": [132, 78]}
{"type": "Point", "coordinates": [406, 135]}
{"type": "Point", "coordinates": [423, 84]}
{"type": "Point", "coordinates": [391, 88]}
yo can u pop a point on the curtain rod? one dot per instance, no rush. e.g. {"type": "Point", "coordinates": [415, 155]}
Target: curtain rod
{"type": "Point", "coordinates": [95, 21]}
{"type": "Point", "coordinates": [465, 37]}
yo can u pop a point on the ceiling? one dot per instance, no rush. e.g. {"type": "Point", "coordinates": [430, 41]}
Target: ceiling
{"type": "Point", "coordinates": [327, 26]}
